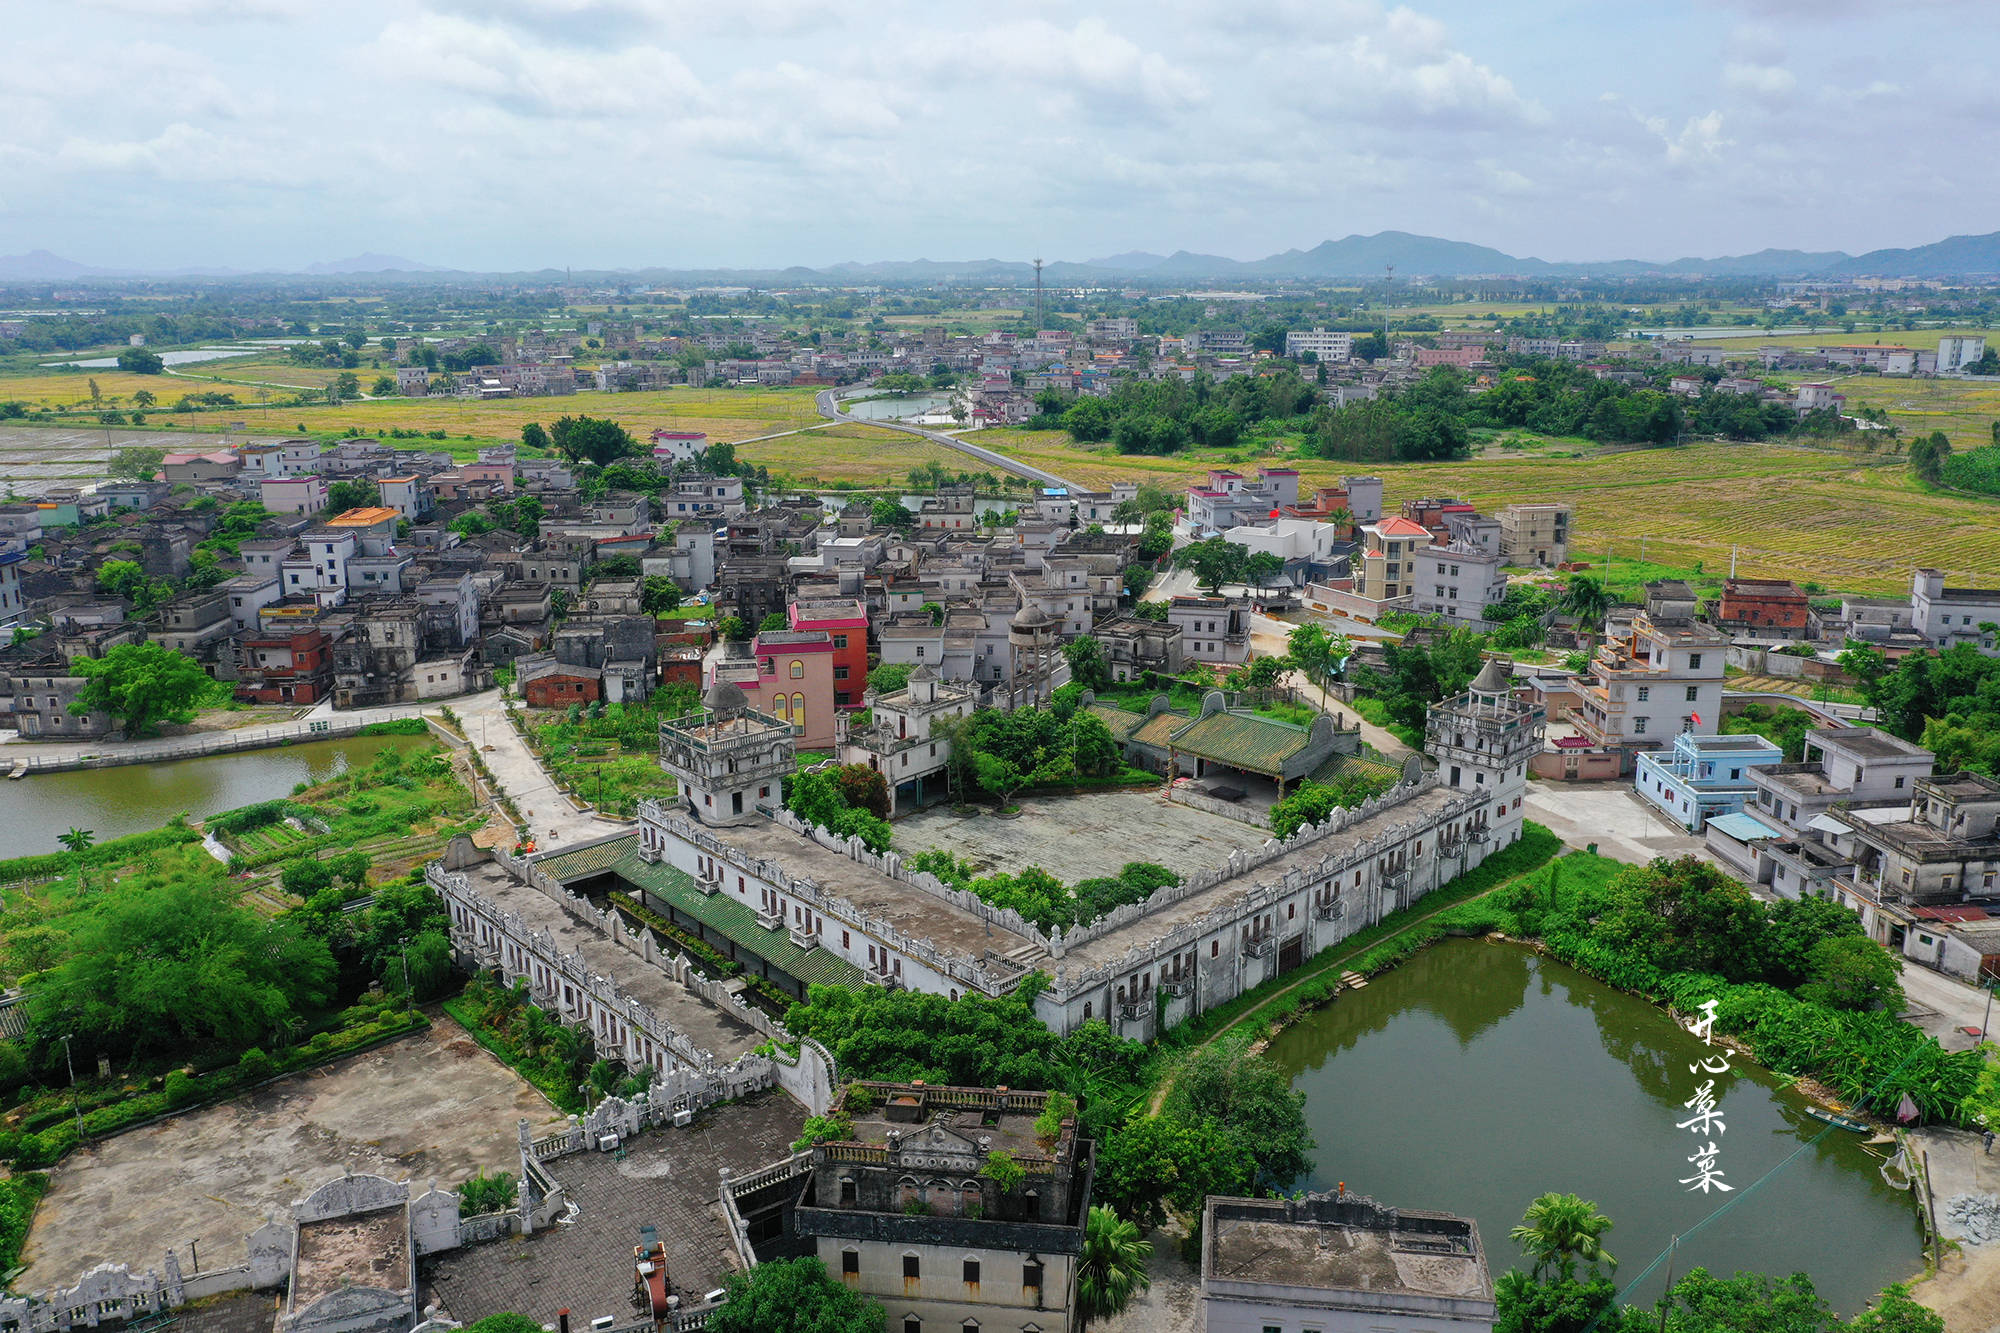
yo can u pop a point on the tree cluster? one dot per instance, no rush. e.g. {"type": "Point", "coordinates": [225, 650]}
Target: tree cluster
{"type": "Point", "coordinates": [823, 801]}
{"type": "Point", "coordinates": [1948, 702]}
{"type": "Point", "coordinates": [1165, 416]}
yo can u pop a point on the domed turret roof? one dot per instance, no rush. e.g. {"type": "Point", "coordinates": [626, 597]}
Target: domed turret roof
{"type": "Point", "coordinates": [1029, 617]}
{"type": "Point", "coordinates": [1494, 678]}
{"type": "Point", "coordinates": [725, 696]}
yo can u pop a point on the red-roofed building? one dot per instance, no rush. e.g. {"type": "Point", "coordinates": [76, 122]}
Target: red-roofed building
{"type": "Point", "coordinates": [1765, 608]}
{"type": "Point", "coordinates": [845, 620]}
{"type": "Point", "coordinates": [1389, 558]}
{"type": "Point", "coordinates": [794, 683]}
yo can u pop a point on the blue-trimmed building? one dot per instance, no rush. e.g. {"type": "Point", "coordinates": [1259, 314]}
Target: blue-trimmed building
{"type": "Point", "coordinates": [1703, 776]}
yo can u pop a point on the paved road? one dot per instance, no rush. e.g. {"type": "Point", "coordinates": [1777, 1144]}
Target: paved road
{"type": "Point", "coordinates": [1954, 1004]}
{"type": "Point", "coordinates": [13, 748]}
{"type": "Point", "coordinates": [1849, 713]}
{"type": "Point", "coordinates": [828, 401]}
{"type": "Point", "coordinates": [548, 813]}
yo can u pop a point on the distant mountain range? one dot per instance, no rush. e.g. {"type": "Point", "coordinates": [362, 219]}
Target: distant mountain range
{"type": "Point", "coordinates": [1365, 257]}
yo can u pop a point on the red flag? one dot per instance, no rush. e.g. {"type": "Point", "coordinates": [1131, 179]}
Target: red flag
{"type": "Point", "coordinates": [1696, 716]}
{"type": "Point", "coordinates": [1274, 513]}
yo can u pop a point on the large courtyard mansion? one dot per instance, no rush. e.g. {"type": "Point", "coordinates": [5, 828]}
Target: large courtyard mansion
{"type": "Point", "coordinates": [1141, 968]}
{"type": "Point", "coordinates": [795, 905]}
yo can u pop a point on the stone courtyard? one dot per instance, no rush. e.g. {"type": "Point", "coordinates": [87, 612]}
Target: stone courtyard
{"type": "Point", "coordinates": [1084, 836]}
{"type": "Point", "coordinates": [669, 1178]}
{"type": "Point", "coordinates": [435, 1105]}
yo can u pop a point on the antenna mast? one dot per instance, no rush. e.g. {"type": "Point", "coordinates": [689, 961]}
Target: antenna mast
{"type": "Point", "coordinates": [1038, 295]}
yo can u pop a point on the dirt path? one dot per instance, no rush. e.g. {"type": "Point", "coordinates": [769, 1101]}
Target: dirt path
{"type": "Point", "coordinates": [1966, 1289]}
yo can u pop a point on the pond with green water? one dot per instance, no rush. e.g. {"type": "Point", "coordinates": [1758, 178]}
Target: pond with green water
{"type": "Point", "coordinates": [1478, 1075]}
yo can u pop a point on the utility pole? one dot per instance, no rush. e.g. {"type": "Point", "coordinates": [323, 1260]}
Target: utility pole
{"type": "Point", "coordinates": [75, 1093]}
{"type": "Point", "coordinates": [1038, 295]}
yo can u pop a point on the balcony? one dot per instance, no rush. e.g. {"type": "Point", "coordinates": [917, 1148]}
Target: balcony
{"type": "Point", "coordinates": [802, 937]}
{"type": "Point", "coordinates": [1261, 948]}
{"type": "Point", "coordinates": [1179, 988]}
{"type": "Point", "coordinates": [1330, 909]}
{"type": "Point", "coordinates": [1451, 847]}
{"type": "Point", "coordinates": [769, 920]}
{"type": "Point", "coordinates": [1479, 833]}
{"type": "Point", "coordinates": [1131, 1011]}
{"type": "Point", "coordinates": [1396, 879]}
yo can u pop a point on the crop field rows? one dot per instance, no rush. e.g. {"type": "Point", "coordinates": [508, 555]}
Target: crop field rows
{"type": "Point", "coordinates": [1810, 514]}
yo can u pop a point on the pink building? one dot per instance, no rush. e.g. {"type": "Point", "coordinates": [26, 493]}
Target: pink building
{"type": "Point", "coordinates": [293, 495]}
{"type": "Point", "coordinates": [794, 683]}
{"type": "Point", "coordinates": [1449, 356]}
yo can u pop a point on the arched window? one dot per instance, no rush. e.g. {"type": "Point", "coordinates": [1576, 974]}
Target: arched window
{"type": "Point", "coordinates": [798, 669]}
{"type": "Point", "coordinates": [799, 709]}
{"type": "Point", "coordinates": [784, 702]}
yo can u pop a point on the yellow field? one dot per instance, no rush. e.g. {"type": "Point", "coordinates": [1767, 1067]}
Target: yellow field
{"type": "Point", "coordinates": [1964, 410]}
{"type": "Point", "coordinates": [1843, 520]}
{"type": "Point", "coordinates": [1923, 339]}
{"type": "Point", "coordinates": [49, 388]}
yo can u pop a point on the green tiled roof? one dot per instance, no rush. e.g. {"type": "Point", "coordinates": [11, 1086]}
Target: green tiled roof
{"type": "Point", "coordinates": [1120, 722]}
{"type": "Point", "coordinates": [1340, 765]}
{"type": "Point", "coordinates": [1258, 744]}
{"type": "Point", "coordinates": [1159, 730]}
{"type": "Point", "coordinates": [719, 912]}
{"type": "Point", "coordinates": [586, 861]}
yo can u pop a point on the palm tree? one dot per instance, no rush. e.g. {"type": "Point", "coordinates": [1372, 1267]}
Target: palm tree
{"type": "Point", "coordinates": [79, 841]}
{"type": "Point", "coordinates": [1586, 598]}
{"type": "Point", "coordinates": [1112, 1269]}
{"type": "Point", "coordinates": [1559, 1229]}
{"type": "Point", "coordinates": [1342, 518]}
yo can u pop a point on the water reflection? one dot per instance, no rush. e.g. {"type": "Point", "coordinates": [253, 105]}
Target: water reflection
{"type": "Point", "coordinates": [1479, 1075]}
{"type": "Point", "coordinates": [135, 797]}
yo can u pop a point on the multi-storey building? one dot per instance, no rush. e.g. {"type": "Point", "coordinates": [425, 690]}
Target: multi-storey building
{"type": "Point", "coordinates": [1213, 629]}
{"type": "Point", "coordinates": [1325, 344]}
{"type": "Point", "coordinates": [1389, 572]}
{"type": "Point", "coordinates": [907, 1212]}
{"type": "Point", "coordinates": [1535, 534]}
{"type": "Point", "coordinates": [1763, 608]}
{"type": "Point", "coordinates": [1458, 581]}
{"type": "Point", "coordinates": [845, 621]}
{"type": "Point", "coordinates": [1661, 677]}
{"type": "Point", "coordinates": [12, 554]}
{"type": "Point", "coordinates": [1949, 616]}
{"type": "Point", "coordinates": [1956, 352]}
{"type": "Point", "coordinates": [1702, 777]}
{"type": "Point", "coordinates": [1229, 498]}
{"type": "Point", "coordinates": [902, 742]}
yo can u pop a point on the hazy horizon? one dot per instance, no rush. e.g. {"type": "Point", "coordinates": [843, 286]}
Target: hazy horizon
{"type": "Point", "coordinates": [511, 135]}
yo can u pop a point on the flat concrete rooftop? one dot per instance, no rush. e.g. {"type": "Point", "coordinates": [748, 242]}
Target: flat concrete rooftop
{"type": "Point", "coordinates": [432, 1106]}
{"type": "Point", "coordinates": [365, 1250]}
{"type": "Point", "coordinates": [1332, 1257]}
{"type": "Point", "coordinates": [720, 1034]}
{"type": "Point", "coordinates": [1084, 836]}
{"type": "Point", "coordinates": [908, 907]}
{"type": "Point", "coordinates": [1114, 944]}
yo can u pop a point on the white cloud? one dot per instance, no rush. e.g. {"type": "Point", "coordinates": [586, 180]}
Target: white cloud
{"type": "Point", "coordinates": [1769, 83]}
{"type": "Point", "coordinates": [523, 132]}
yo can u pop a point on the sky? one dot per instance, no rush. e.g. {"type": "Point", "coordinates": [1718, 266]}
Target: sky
{"type": "Point", "coordinates": [522, 134]}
